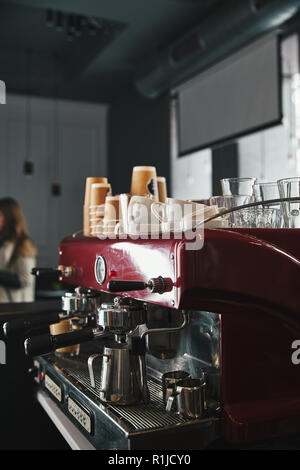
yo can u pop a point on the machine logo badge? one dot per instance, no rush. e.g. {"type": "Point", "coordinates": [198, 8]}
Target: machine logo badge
{"type": "Point", "coordinates": [2, 353]}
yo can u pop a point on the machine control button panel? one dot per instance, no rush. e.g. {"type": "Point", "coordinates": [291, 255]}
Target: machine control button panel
{"type": "Point", "coordinates": [53, 388]}
{"type": "Point", "coordinates": [80, 415]}
{"type": "Point", "coordinates": [100, 269]}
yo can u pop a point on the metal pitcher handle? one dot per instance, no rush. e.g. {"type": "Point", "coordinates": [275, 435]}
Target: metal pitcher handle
{"type": "Point", "coordinates": [90, 367]}
{"type": "Point", "coordinates": [170, 401]}
{"type": "Point", "coordinates": [144, 386]}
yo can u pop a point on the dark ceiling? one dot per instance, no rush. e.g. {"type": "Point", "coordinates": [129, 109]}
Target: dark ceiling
{"type": "Point", "coordinates": [98, 64]}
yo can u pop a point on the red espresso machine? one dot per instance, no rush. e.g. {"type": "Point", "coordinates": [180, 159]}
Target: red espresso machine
{"type": "Point", "coordinates": [231, 309]}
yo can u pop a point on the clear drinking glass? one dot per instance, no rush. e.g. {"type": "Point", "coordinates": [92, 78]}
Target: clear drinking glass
{"type": "Point", "coordinates": [249, 217]}
{"type": "Point", "coordinates": [228, 202]}
{"type": "Point", "coordinates": [237, 186]}
{"type": "Point", "coordinates": [266, 217]}
{"type": "Point", "coordinates": [265, 192]}
{"type": "Point", "coordinates": [244, 218]}
{"type": "Point", "coordinates": [290, 187]}
{"type": "Point", "coordinates": [256, 217]}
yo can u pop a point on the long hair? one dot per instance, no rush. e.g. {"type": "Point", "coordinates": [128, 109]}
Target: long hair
{"type": "Point", "coordinates": [15, 230]}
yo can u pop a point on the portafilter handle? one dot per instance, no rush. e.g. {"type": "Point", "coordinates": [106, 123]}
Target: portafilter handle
{"type": "Point", "coordinates": [44, 344]}
{"type": "Point", "coordinates": [53, 273]}
{"type": "Point", "coordinates": [49, 273]}
{"type": "Point", "coordinates": [22, 326]}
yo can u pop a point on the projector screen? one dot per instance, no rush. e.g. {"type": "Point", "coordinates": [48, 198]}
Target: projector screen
{"type": "Point", "coordinates": [239, 95]}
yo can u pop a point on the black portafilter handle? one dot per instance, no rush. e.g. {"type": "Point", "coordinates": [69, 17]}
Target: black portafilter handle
{"type": "Point", "coordinates": [49, 273]}
{"type": "Point", "coordinates": [20, 326]}
{"type": "Point", "coordinates": [124, 286]}
{"type": "Point", "coordinates": [43, 344]}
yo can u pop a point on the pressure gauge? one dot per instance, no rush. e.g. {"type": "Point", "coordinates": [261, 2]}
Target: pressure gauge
{"type": "Point", "coordinates": [100, 269]}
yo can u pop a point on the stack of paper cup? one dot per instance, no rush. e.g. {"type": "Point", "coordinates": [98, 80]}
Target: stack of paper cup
{"type": "Point", "coordinates": [99, 191]}
{"type": "Point", "coordinates": [87, 201]}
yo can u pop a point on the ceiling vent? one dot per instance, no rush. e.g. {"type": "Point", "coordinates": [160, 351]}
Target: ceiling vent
{"type": "Point", "coordinates": [231, 27]}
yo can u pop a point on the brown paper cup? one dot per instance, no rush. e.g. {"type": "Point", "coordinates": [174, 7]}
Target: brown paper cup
{"type": "Point", "coordinates": [87, 200]}
{"type": "Point", "coordinates": [88, 185]}
{"type": "Point", "coordinates": [144, 182]}
{"type": "Point", "coordinates": [96, 228]}
{"type": "Point", "coordinates": [111, 210]}
{"type": "Point", "coordinates": [99, 191]}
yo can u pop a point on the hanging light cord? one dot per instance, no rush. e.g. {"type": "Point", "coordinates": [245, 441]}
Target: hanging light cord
{"type": "Point", "coordinates": [28, 108]}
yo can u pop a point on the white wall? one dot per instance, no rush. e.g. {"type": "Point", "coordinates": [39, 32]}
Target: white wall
{"type": "Point", "coordinates": [267, 155]}
{"type": "Point", "coordinates": [67, 143]}
{"type": "Point", "coordinates": [191, 176]}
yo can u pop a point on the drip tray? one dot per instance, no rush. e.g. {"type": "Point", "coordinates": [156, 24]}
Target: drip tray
{"type": "Point", "coordinates": [143, 417]}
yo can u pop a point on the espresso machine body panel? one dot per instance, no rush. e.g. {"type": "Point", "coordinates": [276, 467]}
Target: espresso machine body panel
{"type": "Point", "coordinates": [260, 384]}
{"type": "Point", "coordinates": [231, 267]}
{"type": "Point", "coordinates": [248, 283]}
{"type": "Point", "coordinates": [96, 262]}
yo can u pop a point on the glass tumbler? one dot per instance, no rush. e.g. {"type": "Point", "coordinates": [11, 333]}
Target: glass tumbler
{"type": "Point", "coordinates": [256, 217]}
{"type": "Point", "coordinates": [290, 187]}
{"type": "Point", "coordinates": [228, 202]}
{"type": "Point", "coordinates": [237, 186]}
{"type": "Point", "coordinates": [266, 192]}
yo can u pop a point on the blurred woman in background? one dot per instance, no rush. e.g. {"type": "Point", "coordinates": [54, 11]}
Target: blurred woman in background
{"type": "Point", "coordinates": [17, 255]}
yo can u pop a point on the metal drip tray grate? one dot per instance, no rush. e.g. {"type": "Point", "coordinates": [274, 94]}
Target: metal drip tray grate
{"type": "Point", "coordinates": [150, 416]}
{"type": "Point", "coordinates": [138, 417]}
